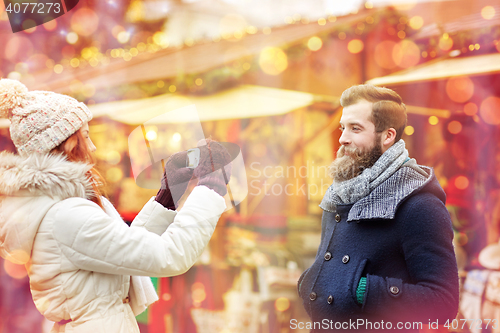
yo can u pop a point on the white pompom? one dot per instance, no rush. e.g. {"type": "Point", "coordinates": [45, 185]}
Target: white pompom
{"type": "Point", "coordinates": [12, 92]}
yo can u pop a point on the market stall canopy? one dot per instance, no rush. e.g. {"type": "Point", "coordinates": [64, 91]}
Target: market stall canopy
{"type": "Point", "coordinates": [244, 101]}
{"type": "Point", "coordinates": [173, 61]}
{"type": "Point", "coordinates": [442, 69]}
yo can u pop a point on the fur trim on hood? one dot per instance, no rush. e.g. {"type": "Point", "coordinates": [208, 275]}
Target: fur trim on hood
{"type": "Point", "coordinates": [50, 175]}
{"type": "Point", "coordinates": [29, 187]}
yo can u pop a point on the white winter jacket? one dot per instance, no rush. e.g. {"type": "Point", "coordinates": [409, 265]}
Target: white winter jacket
{"type": "Point", "coordinates": [80, 258]}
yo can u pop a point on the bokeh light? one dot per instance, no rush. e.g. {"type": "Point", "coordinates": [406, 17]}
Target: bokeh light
{"type": "Point", "coordinates": [127, 56]}
{"type": "Point", "coordinates": [72, 38]}
{"type": "Point", "coordinates": [409, 130]}
{"type": "Point", "coordinates": [50, 25]}
{"type": "Point", "coordinates": [177, 137]}
{"type": "Point", "coordinates": [355, 46]}
{"type": "Point", "coordinates": [488, 12]}
{"type": "Point", "coordinates": [251, 30]}
{"type": "Point", "coordinates": [15, 271]}
{"type": "Point", "coordinates": [416, 22]}
{"type": "Point", "coordinates": [459, 88]}
{"type": "Point", "coordinates": [282, 304]}
{"type": "Point", "coordinates": [172, 88]}
{"type": "Point", "coordinates": [454, 127]}
{"type": "Point", "coordinates": [58, 69]}
{"type": "Point", "coordinates": [433, 120]}
{"type": "Point", "coordinates": [461, 182]}
{"type": "Point", "coordinates": [198, 293]}
{"type": "Point", "coordinates": [445, 42]}
{"type": "Point", "coordinates": [84, 22]}
{"type": "Point", "coordinates": [151, 135]}
{"type": "Point", "coordinates": [14, 76]}
{"type": "Point", "coordinates": [383, 54]}
{"type": "Point", "coordinates": [123, 37]}
{"type": "Point", "coordinates": [75, 62]}
{"type": "Point", "coordinates": [406, 54]}
{"type": "Point", "coordinates": [314, 43]}
{"type": "Point", "coordinates": [273, 60]}
{"type": "Point", "coordinates": [116, 30]}
{"type": "Point", "coordinates": [113, 157]}
{"type": "Point", "coordinates": [114, 174]}
{"type": "Point", "coordinates": [490, 110]}
{"type": "Point", "coordinates": [470, 109]}
{"type": "Point", "coordinates": [160, 38]}
{"type": "Point", "coordinates": [29, 25]}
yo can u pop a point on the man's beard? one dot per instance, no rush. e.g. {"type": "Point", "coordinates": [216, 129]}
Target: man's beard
{"type": "Point", "coordinates": [347, 167]}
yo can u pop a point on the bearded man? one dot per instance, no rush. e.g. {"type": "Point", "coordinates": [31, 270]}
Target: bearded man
{"type": "Point", "coordinates": [386, 259]}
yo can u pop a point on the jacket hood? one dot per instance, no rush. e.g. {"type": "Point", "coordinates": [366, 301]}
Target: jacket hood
{"type": "Point", "coordinates": [29, 186]}
{"type": "Point", "coordinates": [383, 201]}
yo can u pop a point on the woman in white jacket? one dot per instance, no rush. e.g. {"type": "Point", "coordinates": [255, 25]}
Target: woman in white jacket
{"type": "Point", "coordinates": [78, 252]}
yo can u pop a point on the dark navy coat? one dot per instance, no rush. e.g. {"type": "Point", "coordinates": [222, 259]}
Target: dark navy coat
{"type": "Point", "coordinates": [404, 249]}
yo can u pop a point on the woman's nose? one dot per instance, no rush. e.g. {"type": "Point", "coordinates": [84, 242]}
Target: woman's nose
{"type": "Point", "coordinates": [92, 147]}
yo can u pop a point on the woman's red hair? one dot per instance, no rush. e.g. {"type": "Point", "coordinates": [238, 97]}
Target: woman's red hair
{"type": "Point", "coordinates": [76, 149]}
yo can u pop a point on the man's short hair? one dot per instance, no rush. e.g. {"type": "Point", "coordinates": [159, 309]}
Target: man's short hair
{"type": "Point", "coordinates": [388, 109]}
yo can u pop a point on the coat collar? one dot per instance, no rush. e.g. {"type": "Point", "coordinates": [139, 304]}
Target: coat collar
{"type": "Point", "coordinates": [44, 174]}
{"type": "Point", "coordinates": [383, 201]}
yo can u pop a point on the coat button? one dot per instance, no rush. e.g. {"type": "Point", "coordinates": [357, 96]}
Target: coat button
{"type": "Point", "coordinates": [337, 218]}
{"type": "Point", "coordinates": [330, 299]}
{"type": "Point", "coordinates": [328, 256]}
{"type": "Point", "coordinates": [345, 259]}
{"type": "Point", "coordinates": [312, 296]}
{"type": "Point", "coordinates": [394, 290]}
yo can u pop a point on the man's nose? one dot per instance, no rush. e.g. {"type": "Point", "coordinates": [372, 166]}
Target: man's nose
{"type": "Point", "coordinates": [344, 138]}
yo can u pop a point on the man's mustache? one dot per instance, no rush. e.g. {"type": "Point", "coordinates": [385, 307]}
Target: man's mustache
{"type": "Point", "coordinates": [352, 152]}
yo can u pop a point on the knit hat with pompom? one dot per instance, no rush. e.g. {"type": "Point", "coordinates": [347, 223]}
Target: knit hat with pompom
{"type": "Point", "coordinates": [40, 120]}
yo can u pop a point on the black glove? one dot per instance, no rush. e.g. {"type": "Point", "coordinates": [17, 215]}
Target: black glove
{"type": "Point", "coordinates": [214, 169]}
{"type": "Point", "coordinates": [175, 180]}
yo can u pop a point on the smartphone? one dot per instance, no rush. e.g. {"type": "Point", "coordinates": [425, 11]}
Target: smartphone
{"type": "Point", "coordinates": [193, 158]}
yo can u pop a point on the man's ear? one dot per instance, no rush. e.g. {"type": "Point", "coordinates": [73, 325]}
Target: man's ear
{"type": "Point", "coordinates": [388, 138]}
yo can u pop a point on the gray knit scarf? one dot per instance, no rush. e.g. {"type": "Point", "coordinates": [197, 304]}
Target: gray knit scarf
{"type": "Point", "coordinates": [350, 191]}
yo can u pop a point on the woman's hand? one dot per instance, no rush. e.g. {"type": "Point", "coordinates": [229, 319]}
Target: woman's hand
{"type": "Point", "coordinates": [175, 180]}
{"type": "Point", "coordinates": [214, 169]}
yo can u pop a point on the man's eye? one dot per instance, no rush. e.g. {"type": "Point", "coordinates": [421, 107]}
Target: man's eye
{"type": "Point", "coordinates": [355, 128]}
{"type": "Point", "coordinates": [341, 129]}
